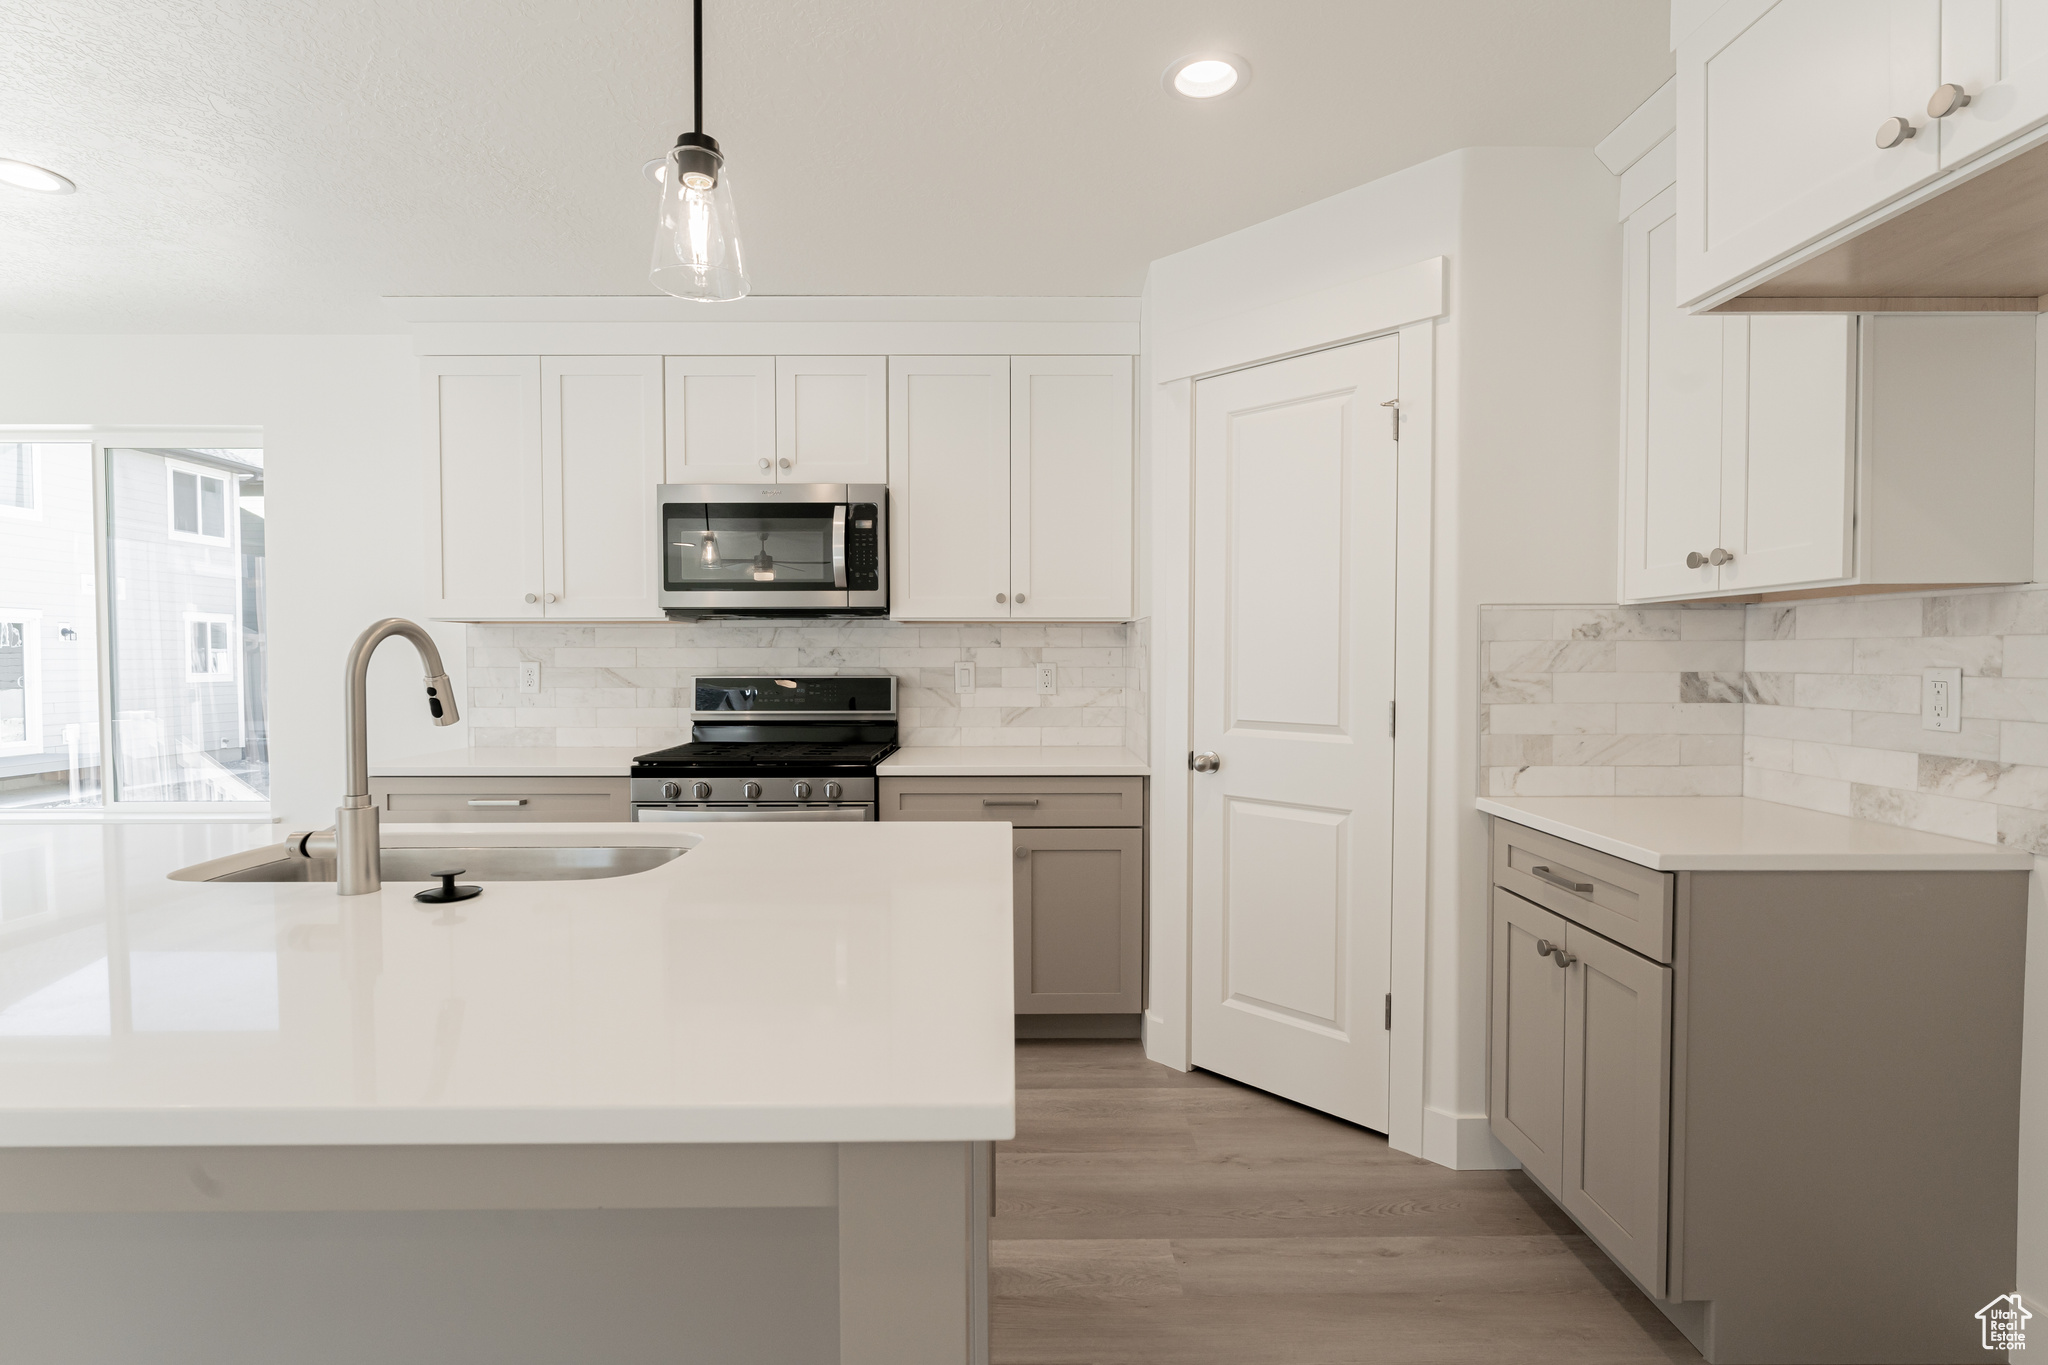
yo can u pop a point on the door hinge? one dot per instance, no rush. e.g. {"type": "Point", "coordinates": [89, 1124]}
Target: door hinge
{"type": "Point", "coordinates": [1390, 1011]}
{"type": "Point", "coordinates": [1392, 720]}
{"type": "Point", "coordinates": [1395, 405]}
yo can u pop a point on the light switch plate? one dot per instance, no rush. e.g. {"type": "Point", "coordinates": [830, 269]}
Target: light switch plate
{"type": "Point", "coordinates": [963, 677]}
{"type": "Point", "coordinates": [1941, 699]}
{"type": "Point", "coordinates": [529, 678]}
{"type": "Point", "coordinates": [1048, 679]}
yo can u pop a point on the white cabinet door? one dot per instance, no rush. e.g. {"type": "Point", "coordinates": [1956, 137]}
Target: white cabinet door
{"type": "Point", "coordinates": [949, 487]}
{"type": "Point", "coordinates": [1617, 1102]}
{"type": "Point", "coordinates": [1070, 487]}
{"type": "Point", "coordinates": [601, 461]}
{"type": "Point", "coordinates": [1788, 481]}
{"type": "Point", "coordinates": [1673, 439]}
{"type": "Point", "coordinates": [481, 420]}
{"type": "Point", "coordinates": [1525, 1054]}
{"type": "Point", "coordinates": [831, 419]}
{"type": "Point", "coordinates": [1997, 50]}
{"type": "Point", "coordinates": [1779, 105]}
{"type": "Point", "coordinates": [720, 418]}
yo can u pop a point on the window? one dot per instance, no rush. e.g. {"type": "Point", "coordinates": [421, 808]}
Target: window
{"type": "Point", "coordinates": [207, 639]}
{"type": "Point", "coordinates": [199, 504]}
{"type": "Point", "coordinates": [161, 547]}
{"type": "Point", "coordinates": [19, 496]}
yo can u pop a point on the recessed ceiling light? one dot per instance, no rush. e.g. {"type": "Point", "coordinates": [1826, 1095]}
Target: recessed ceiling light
{"type": "Point", "coordinates": [1207, 75]}
{"type": "Point", "coordinates": [23, 176]}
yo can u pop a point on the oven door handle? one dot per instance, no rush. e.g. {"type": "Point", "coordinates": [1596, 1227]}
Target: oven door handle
{"type": "Point", "coordinates": [839, 546]}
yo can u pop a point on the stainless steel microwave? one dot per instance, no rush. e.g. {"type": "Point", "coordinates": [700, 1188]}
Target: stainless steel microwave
{"type": "Point", "coordinates": [752, 549]}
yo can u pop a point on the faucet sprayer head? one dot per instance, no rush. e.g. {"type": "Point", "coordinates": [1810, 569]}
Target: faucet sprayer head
{"type": "Point", "coordinates": [441, 700]}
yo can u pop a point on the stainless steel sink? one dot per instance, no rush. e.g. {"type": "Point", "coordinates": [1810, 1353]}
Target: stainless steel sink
{"type": "Point", "coordinates": [530, 863]}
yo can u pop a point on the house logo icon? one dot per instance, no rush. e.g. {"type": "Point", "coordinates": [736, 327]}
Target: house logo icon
{"type": "Point", "coordinates": [2005, 1323]}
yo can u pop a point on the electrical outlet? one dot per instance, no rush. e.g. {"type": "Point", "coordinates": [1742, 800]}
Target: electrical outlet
{"type": "Point", "coordinates": [1048, 679]}
{"type": "Point", "coordinates": [963, 677]}
{"type": "Point", "coordinates": [1941, 699]}
{"type": "Point", "coordinates": [529, 678]}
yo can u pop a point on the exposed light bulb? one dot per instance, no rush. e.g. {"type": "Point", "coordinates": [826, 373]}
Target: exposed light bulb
{"type": "Point", "coordinates": [696, 238]}
{"type": "Point", "coordinates": [764, 565]}
{"type": "Point", "coordinates": [708, 556]}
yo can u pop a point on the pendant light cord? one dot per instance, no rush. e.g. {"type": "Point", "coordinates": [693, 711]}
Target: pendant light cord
{"type": "Point", "coordinates": [697, 63]}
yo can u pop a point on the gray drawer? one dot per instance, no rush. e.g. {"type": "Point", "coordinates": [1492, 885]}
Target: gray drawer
{"type": "Point", "coordinates": [483, 800]}
{"type": "Point", "coordinates": [1621, 900]}
{"type": "Point", "coordinates": [1028, 802]}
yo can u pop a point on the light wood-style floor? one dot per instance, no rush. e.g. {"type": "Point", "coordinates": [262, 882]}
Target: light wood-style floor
{"type": "Point", "coordinates": [1146, 1215]}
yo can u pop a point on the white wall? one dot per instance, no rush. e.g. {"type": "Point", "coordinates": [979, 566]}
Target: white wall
{"type": "Point", "coordinates": [1527, 370]}
{"type": "Point", "coordinates": [343, 504]}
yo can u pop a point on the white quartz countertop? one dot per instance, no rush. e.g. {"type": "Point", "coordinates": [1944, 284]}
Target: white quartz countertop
{"type": "Point", "coordinates": [1743, 834]}
{"type": "Point", "coordinates": [1053, 761]}
{"type": "Point", "coordinates": [775, 983]}
{"type": "Point", "coordinates": [511, 762]}
{"type": "Point", "coordinates": [913, 761]}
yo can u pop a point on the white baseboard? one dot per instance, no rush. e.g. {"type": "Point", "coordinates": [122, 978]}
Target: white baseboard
{"type": "Point", "coordinates": [1464, 1142]}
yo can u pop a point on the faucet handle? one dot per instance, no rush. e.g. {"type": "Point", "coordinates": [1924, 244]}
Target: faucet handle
{"type": "Point", "coordinates": [448, 890]}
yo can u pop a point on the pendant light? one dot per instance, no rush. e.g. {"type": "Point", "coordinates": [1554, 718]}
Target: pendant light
{"type": "Point", "coordinates": [764, 563]}
{"type": "Point", "coordinates": [696, 236]}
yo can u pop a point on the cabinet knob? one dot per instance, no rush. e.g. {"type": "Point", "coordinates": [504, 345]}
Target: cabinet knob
{"type": "Point", "coordinates": [532, 598]}
{"type": "Point", "coordinates": [1002, 597]}
{"type": "Point", "coordinates": [785, 462]}
{"type": "Point", "coordinates": [1720, 557]}
{"type": "Point", "coordinates": [1893, 131]}
{"type": "Point", "coordinates": [1563, 958]}
{"type": "Point", "coordinates": [1544, 947]}
{"type": "Point", "coordinates": [1945, 100]}
{"type": "Point", "coordinates": [549, 597]}
{"type": "Point", "coordinates": [1020, 599]}
{"type": "Point", "coordinates": [762, 462]}
{"type": "Point", "coordinates": [1022, 854]}
{"type": "Point", "coordinates": [1695, 560]}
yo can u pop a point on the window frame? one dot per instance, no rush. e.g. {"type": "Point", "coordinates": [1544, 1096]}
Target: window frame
{"type": "Point", "coordinates": [31, 619]}
{"type": "Point", "coordinates": [229, 673]}
{"type": "Point", "coordinates": [200, 474]}
{"type": "Point", "coordinates": [34, 512]}
{"type": "Point", "coordinates": [103, 439]}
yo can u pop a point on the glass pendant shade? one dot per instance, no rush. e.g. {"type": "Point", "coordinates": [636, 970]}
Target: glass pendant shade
{"type": "Point", "coordinates": [697, 237]}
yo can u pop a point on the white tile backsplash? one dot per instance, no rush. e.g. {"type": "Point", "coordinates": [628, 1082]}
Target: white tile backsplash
{"type": "Point", "coordinates": [628, 685]}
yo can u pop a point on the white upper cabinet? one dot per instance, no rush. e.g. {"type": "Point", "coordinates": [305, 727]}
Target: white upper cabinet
{"type": "Point", "coordinates": [831, 419]}
{"type": "Point", "coordinates": [1070, 487]}
{"type": "Point", "coordinates": [720, 418]}
{"type": "Point", "coordinates": [1781, 104]}
{"type": "Point", "coordinates": [1997, 51]}
{"type": "Point", "coordinates": [480, 417]}
{"type": "Point", "coordinates": [949, 487]}
{"type": "Point", "coordinates": [601, 460]}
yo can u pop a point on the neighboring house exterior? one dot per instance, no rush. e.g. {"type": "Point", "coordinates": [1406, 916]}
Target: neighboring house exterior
{"type": "Point", "coordinates": [49, 672]}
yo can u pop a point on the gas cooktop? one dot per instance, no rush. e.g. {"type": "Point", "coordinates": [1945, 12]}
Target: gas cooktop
{"type": "Point", "coordinates": [700, 754]}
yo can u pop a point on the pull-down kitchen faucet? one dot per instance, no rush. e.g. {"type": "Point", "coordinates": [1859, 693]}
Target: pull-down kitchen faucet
{"type": "Point", "coordinates": [358, 859]}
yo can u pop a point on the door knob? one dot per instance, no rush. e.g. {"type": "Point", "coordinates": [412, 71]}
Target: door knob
{"type": "Point", "coordinates": [1945, 100]}
{"type": "Point", "coordinates": [1720, 557]}
{"type": "Point", "coordinates": [1893, 131]}
{"type": "Point", "coordinates": [1204, 762]}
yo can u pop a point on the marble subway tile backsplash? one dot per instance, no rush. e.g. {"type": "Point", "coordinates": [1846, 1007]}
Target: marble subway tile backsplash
{"type": "Point", "coordinates": [628, 685]}
{"type": "Point", "coordinates": [1611, 701]}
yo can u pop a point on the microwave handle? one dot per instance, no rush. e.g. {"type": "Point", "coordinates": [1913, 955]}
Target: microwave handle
{"type": "Point", "coordinates": [839, 546]}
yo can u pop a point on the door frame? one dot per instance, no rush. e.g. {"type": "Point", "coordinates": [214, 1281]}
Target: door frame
{"type": "Point", "coordinates": [1405, 303]}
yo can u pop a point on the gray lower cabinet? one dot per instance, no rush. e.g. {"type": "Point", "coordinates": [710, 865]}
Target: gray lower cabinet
{"type": "Point", "coordinates": [483, 800]}
{"type": "Point", "coordinates": [1079, 845]}
{"type": "Point", "coordinates": [1786, 1103]}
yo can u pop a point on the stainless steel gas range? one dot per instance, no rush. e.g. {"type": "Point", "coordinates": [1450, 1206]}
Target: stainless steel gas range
{"type": "Point", "coordinates": [802, 748]}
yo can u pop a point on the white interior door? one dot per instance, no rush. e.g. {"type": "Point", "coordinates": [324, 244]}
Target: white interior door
{"type": "Point", "coordinates": [1294, 684]}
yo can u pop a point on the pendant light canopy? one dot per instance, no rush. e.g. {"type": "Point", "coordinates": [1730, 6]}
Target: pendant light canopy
{"type": "Point", "coordinates": [697, 236]}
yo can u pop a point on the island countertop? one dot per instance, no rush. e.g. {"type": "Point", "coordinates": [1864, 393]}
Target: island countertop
{"type": "Point", "coordinates": [775, 983]}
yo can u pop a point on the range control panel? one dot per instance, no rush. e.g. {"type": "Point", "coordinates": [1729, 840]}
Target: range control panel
{"type": "Point", "coordinates": [863, 548]}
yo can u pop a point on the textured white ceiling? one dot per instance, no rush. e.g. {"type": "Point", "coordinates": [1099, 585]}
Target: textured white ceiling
{"type": "Point", "coordinates": [277, 165]}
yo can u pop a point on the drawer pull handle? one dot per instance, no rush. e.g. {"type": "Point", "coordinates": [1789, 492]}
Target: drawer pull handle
{"type": "Point", "coordinates": [990, 801]}
{"type": "Point", "coordinates": [509, 801]}
{"type": "Point", "coordinates": [1583, 888]}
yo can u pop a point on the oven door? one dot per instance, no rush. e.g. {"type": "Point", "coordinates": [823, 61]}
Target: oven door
{"type": "Point", "coordinates": [774, 548]}
{"type": "Point", "coordinates": [700, 815]}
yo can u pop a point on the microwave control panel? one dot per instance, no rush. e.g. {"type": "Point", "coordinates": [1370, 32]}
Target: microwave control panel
{"type": "Point", "coordinates": [863, 548]}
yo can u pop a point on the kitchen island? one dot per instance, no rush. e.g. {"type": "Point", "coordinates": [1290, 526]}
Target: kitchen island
{"type": "Point", "coordinates": [734, 1108]}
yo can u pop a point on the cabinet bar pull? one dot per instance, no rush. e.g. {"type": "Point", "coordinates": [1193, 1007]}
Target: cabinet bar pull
{"type": "Point", "coordinates": [508, 801]}
{"type": "Point", "coordinates": [1583, 888]}
{"type": "Point", "coordinates": [991, 801]}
